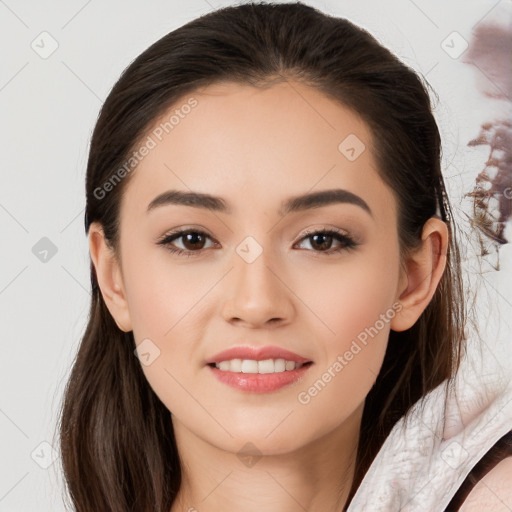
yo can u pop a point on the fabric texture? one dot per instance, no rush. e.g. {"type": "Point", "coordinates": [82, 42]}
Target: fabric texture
{"type": "Point", "coordinates": [429, 453]}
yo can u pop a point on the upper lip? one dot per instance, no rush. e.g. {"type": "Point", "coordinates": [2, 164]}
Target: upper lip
{"type": "Point", "coordinates": [257, 354]}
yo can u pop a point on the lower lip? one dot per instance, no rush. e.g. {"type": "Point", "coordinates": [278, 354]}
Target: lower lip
{"type": "Point", "coordinates": [260, 382]}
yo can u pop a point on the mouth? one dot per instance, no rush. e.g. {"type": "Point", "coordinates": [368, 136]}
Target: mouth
{"type": "Point", "coordinates": [258, 369]}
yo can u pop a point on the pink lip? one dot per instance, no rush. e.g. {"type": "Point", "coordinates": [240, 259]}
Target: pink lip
{"type": "Point", "coordinates": [259, 383]}
{"type": "Point", "coordinates": [257, 354]}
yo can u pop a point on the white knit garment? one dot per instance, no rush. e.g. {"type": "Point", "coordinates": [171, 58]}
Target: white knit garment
{"type": "Point", "coordinates": [424, 460]}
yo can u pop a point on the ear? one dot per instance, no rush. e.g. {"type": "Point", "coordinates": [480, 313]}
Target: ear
{"type": "Point", "coordinates": [109, 276]}
{"type": "Point", "coordinates": [421, 274]}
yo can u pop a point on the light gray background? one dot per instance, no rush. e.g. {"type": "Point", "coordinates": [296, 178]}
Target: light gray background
{"type": "Point", "coordinates": [48, 110]}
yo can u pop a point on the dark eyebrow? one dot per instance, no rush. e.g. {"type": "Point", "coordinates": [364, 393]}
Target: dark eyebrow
{"type": "Point", "coordinates": [293, 204]}
{"type": "Point", "coordinates": [323, 198]}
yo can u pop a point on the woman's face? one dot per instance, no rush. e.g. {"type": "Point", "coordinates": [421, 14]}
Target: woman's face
{"type": "Point", "coordinates": [255, 278]}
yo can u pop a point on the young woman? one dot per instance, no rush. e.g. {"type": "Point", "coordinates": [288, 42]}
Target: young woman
{"type": "Point", "coordinates": [275, 276]}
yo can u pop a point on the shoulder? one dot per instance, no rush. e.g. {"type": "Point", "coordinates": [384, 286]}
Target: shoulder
{"type": "Point", "coordinates": [493, 492]}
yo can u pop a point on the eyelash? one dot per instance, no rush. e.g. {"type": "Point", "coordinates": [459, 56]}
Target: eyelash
{"type": "Point", "coordinates": [348, 243]}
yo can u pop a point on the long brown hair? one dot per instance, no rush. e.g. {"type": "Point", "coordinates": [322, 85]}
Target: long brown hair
{"type": "Point", "coordinates": [116, 437]}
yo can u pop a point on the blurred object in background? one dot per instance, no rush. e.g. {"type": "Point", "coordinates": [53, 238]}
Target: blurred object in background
{"type": "Point", "coordinates": [490, 52]}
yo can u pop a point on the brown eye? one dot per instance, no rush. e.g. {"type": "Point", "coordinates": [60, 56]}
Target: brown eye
{"type": "Point", "coordinates": [321, 241]}
{"type": "Point", "coordinates": [192, 241]}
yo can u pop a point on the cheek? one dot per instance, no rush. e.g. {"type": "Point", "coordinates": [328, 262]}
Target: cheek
{"type": "Point", "coordinates": [164, 301]}
{"type": "Point", "coordinates": [339, 383]}
{"type": "Point", "coordinates": [348, 296]}
{"type": "Point", "coordinates": [160, 293]}
{"type": "Point", "coordinates": [160, 299]}
{"type": "Point", "coordinates": [354, 303]}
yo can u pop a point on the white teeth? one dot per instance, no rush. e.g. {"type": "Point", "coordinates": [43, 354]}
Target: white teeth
{"type": "Point", "coordinates": [266, 366]}
{"type": "Point", "coordinates": [280, 365]}
{"type": "Point", "coordinates": [290, 365]}
{"type": "Point", "coordinates": [253, 366]}
{"type": "Point", "coordinates": [224, 365]}
{"type": "Point", "coordinates": [249, 366]}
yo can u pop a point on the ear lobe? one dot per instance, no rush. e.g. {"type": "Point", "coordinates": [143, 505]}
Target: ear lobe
{"type": "Point", "coordinates": [109, 277]}
{"type": "Point", "coordinates": [422, 274]}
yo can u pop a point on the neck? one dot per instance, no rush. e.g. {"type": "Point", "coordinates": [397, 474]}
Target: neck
{"type": "Point", "coordinates": [317, 476]}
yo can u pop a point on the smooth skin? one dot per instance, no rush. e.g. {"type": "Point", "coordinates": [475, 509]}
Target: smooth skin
{"type": "Point", "coordinates": [255, 148]}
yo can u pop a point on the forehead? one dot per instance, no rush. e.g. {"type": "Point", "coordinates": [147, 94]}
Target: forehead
{"type": "Point", "coordinates": [255, 146]}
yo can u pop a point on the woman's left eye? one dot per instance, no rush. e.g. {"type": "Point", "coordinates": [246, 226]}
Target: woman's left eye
{"type": "Point", "coordinates": [196, 240]}
{"type": "Point", "coordinates": [325, 238]}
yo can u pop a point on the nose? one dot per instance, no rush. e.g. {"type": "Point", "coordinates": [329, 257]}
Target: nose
{"type": "Point", "coordinates": [257, 294]}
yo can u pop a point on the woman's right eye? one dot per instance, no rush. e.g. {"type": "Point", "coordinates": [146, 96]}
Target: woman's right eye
{"type": "Point", "coordinates": [192, 238]}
